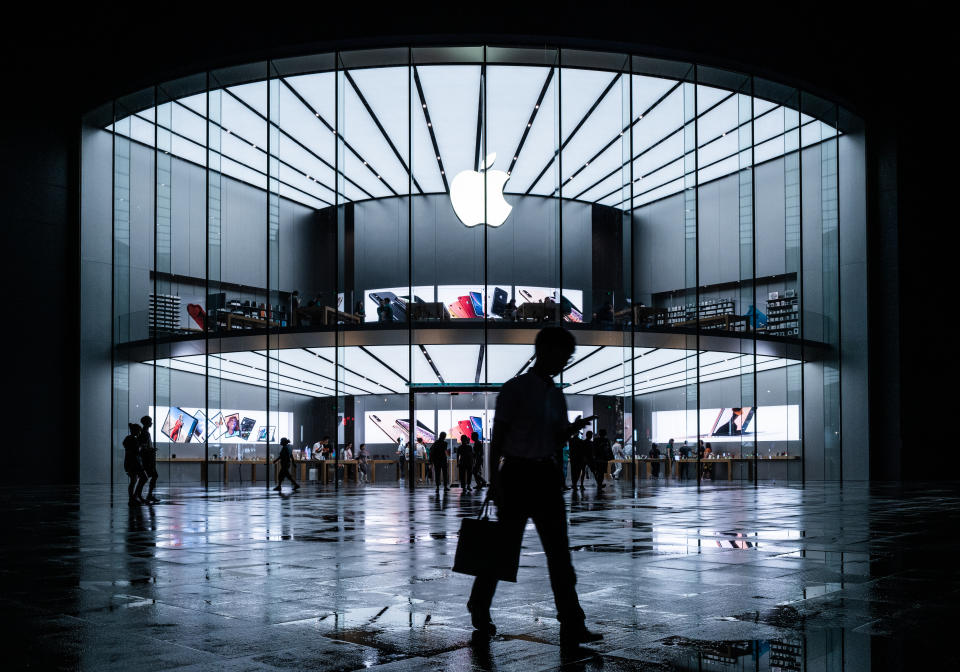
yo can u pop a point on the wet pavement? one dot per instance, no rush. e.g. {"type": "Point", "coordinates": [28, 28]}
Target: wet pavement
{"type": "Point", "coordinates": [730, 577]}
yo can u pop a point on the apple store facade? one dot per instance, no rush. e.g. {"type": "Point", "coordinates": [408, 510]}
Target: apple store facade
{"type": "Point", "coordinates": [352, 244]}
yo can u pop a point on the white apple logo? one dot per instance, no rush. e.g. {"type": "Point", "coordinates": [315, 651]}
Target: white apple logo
{"type": "Point", "coordinates": [467, 195]}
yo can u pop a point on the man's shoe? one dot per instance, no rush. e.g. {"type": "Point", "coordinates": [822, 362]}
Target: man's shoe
{"type": "Point", "coordinates": [152, 500]}
{"type": "Point", "coordinates": [277, 489]}
{"type": "Point", "coordinates": [482, 621]}
{"type": "Point", "coordinates": [296, 487]}
{"type": "Point", "coordinates": [576, 635]}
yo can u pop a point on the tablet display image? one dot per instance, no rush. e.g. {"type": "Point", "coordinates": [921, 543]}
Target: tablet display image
{"type": "Point", "coordinates": [732, 422]}
{"type": "Point", "coordinates": [266, 434]}
{"type": "Point", "coordinates": [216, 427]}
{"type": "Point", "coordinates": [179, 425]}
{"type": "Point", "coordinates": [231, 425]}
{"type": "Point", "coordinates": [246, 427]}
{"type": "Point", "coordinates": [202, 422]}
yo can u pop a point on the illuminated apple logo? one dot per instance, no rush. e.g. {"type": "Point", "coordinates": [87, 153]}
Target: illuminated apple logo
{"type": "Point", "coordinates": [467, 195]}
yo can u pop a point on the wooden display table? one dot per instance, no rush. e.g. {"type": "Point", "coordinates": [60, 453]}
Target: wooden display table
{"type": "Point", "coordinates": [204, 466]}
{"type": "Point", "coordinates": [229, 319]}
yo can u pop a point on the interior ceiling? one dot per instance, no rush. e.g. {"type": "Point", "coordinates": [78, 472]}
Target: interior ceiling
{"type": "Point", "coordinates": [611, 127]}
{"type": "Point", "coordinates": [385, 369]}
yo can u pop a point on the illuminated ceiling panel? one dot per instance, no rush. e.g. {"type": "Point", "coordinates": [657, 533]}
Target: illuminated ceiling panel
{"type": "Point", "coordinates": [384, 113]}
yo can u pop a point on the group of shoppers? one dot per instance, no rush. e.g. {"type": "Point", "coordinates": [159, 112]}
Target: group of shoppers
{"type": "Point", "coordinates": [593, 452]}
{"type": "Point", "coordinates": [140, 462]}
{"type": "Point", "coordinates": [469, 458]}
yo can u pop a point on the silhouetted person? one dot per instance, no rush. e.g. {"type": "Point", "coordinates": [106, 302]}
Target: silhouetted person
{"type": "Point", "coordinates": [529, 430]}
{"type": "Point", "coordinates": [438, 459]}
{"type": "Point", "coordinates": [586, 457]}
{"type": "Point", "coordinates": [385, 311]}
{"type": "Point", "coordinates": [148, 457]}
{"type": "Point", "coordinates": [363, 461]}
{"type": "Point", "coordinates": [605, 314]}
{"type": "Point", "coordinates": [284, 459]}
{"type": "Point", "coordinates": [401, 459]}
{"type": "Point", "coordinates": [465, 462]}
{"type": "Point", "coordinates": [602, 454]}
{"type": "Point", "coordinates": [684, 466]}
{"type": "Point", "coordinates": [654, 455]}
{"type": "Point", "coordinates": [132, 464]}
{"type": "Point", "coordinates": [478, 461]}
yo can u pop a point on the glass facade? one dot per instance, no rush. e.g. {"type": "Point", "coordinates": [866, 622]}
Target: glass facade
{"type": "Point", "coordinates": [336, 244]}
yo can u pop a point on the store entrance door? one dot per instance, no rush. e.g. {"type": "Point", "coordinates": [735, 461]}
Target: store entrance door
{"type": "Point", "coordinates": [456, 411]}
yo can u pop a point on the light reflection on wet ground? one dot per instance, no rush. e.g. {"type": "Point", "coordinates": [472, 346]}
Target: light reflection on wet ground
{"type": "Point", "coordinates": [727, 578]}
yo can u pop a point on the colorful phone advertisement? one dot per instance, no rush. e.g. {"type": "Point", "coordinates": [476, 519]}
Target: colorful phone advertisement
{"type": "Point", "coordinates": [267, 434]}
{"type": "Point", "coordinates": [231, 425]}
{"type": "Point", "coordinates": [462, 301]}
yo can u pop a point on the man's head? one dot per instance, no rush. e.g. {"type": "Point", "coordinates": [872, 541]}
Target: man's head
{"type": "Point", "coordinates": [134, 428]}
{"type": "Point", "coordinates": [420, 439]}
{"type": "Point", "coordinates": [554, 347]}
{"type": "Point", "coordinates": [474, 437]}
{"type": "Point", "coordinates": [284, 441]}
{"type": "Point", "coordinates": [464, 439]}
{"type": "Point", "coordinates": [589, 435]}
{"type": "Point", "coordinates": [146, 421]}
{"type": "Point", "coordinates": [326, 439]}
{"type": "Point", "coordinates": [443, 436]}
{"type": "Point", "coordinates": [602, 433]}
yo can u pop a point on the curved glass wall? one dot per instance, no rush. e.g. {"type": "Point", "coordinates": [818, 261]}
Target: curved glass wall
{"type": "Point", "coordinates": [299, 245]}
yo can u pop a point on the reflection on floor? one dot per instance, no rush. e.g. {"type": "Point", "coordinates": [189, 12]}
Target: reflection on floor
{"type": "Point", "coordinates": [727, 578]}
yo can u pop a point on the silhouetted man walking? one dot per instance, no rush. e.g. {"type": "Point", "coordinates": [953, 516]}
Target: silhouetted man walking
{"type": "Point", "coordinates": [530, 428]}
{"type": "Point", "coordinates": [148, 458]}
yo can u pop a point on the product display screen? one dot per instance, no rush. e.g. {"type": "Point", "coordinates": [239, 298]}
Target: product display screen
{"type": "Point", "coordinates": [179, 425]}
{"type": "Point", "coordinates": [718, 425]}
{"type": "Point", "coordinates": [388, 426]}
{"type": "Point", "coordinates": [183, 424]}
{"type": "Point", "coordinates": [571, 301]}
{"type": "Point", "coordinates": [399, 298]}
{"type": "Point", "coordinates": [469, 301]}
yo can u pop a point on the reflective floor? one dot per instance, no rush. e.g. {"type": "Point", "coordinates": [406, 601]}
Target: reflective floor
{"type": "Point", "coordinates": [729, 577]}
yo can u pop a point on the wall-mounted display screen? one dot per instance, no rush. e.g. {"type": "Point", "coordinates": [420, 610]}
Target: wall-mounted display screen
{"type": "Point", "coordinates": [718, 425]}
{"type": "Point", "coordinates": [388, 426]}
{"type": "Point", "coordinates": [184, 424]}
{"type": "Point", "coordinates": [462, 301]}
{"type": "Point", "coordinates": [399, 298]}
{"type": "Point", "coordinates": [571, 300]}
{"type": "Point", "coordinates": [469, 301]}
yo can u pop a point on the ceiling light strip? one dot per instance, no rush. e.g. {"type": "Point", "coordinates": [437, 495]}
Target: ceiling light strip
{"type": "Point", "coordinates": [433, 138]}
{"type": "Point", "coordinates": [533, 117]}
{"type": "Point", "coordinates": [228, 158]}
{"type": "Point", "coordinates": [576, 128]}
{"type": "Point", "coordinates": [360, 375]}
{"type": "Point", "coordinates": [432, 365]}
{"type": "Point", "coordinates": [383, 131]}
{"type": "Point", "coordinates": [339, 139]}
{"type": "Point", "coordinates": [293, 139]}
{"type": "Point", "coordinates": [615, 139]}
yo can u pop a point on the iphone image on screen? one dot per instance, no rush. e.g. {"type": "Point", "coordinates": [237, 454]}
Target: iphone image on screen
{"type": "Point", "coordinates": [391, 431]}
{"type": "Point", "coordinates": [467, 305]}
{"type": "Point", "coordinates": [423, 432]}
{"type": "Point", "coordinates": [570, 312]}
{"type": "Point", "coordinates": [477, 423]}
{"type": "Point", "coordinates": [499, 302]}
{"type": "Point", "coordinates": [477, 302]}
{"type": "Point", "coordinates": [456, 309]}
